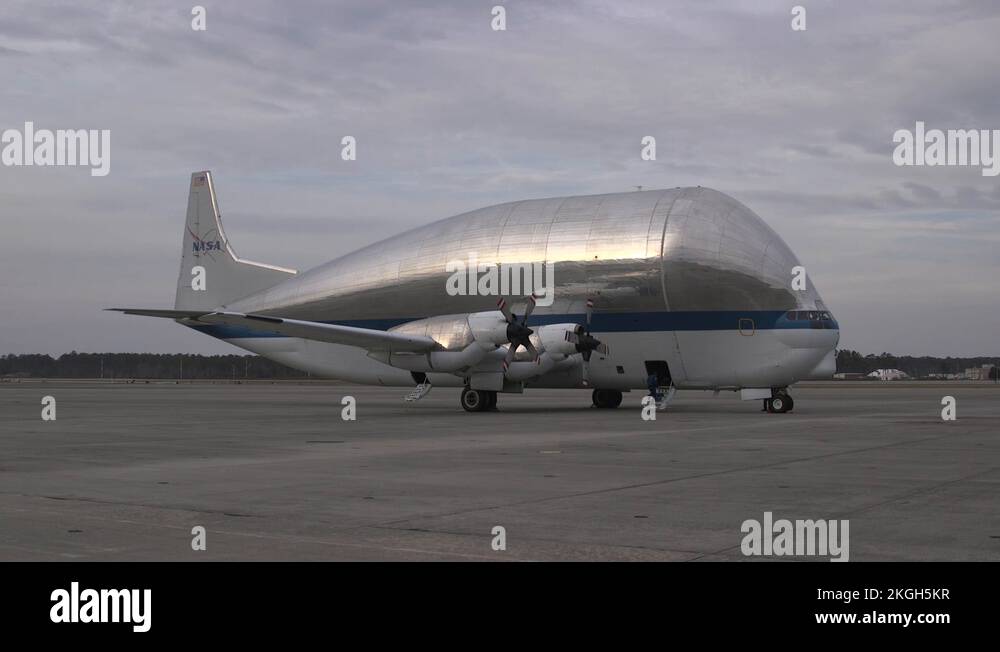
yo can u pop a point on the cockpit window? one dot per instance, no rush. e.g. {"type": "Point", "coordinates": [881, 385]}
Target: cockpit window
{"type": "Point", "coordinates": [809, 315]}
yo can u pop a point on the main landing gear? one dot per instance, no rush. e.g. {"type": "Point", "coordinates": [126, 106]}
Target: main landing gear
{"type": "Point", "coordinates": [477, 400]}
{"type": "Point", "coordinates": [607, 398]}
{"type": "Point", "coordinates": [780, 403]}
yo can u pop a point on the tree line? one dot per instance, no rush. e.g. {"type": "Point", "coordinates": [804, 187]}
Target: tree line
{"type": "Point", "coordinates": [185, 366]}
{"type": "Point", "coordinates": [145, 365]}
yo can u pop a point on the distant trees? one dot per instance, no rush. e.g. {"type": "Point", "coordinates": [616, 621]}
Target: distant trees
{"type": "Point", "coordinates": [144, 365]}
{"type": "Point", "coordinates": [180, 365]}
{"type": "Point", "coordinates": [850, 362]}
{"type": "Point", "coordinates": [853, 362]}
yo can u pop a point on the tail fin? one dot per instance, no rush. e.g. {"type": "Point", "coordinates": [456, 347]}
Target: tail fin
{"type": "Point", "coordinates": [212, 275]}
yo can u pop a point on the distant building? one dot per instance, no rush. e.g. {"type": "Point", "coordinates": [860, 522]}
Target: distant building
{"type": "Point", "coordinates": [979, 373]}
{"type": "Point", "coordinates": [888, 374]}
{"type": "Point", "coordinates": [945, 376]}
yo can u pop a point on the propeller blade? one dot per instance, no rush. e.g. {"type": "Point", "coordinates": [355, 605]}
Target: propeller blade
{"type": "Point", "coordinates": [603, 348]}
{"type": "Point", "coordinates": [532, 350]}
{"type": "Point", "coordinates": [505, 309]}
{"type": "Point", "coordinates": [590, 311]}
{"type": "Point", "coordinates": [586, 373]}
{"type": "Point", "coordinates": [528, 308]}
{"type": "Point", "coordinates": [511, 351]}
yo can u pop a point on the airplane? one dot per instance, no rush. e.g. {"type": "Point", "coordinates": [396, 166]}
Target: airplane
{"type": "Point", "coordinates": [665, 290]}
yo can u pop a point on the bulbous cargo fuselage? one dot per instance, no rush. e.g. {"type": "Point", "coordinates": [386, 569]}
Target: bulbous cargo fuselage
{"type": "Point", "coordinates": [688, 276]}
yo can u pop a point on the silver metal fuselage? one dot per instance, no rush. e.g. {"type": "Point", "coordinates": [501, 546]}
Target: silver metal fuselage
{"type": "Point", "coordinates": [688, 276]}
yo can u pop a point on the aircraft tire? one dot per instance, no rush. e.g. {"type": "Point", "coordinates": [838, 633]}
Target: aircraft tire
{"type": "Point", "coordinates": [474, 400]}
{"type": "Point", "coordinates": [606, 398]}
{"type": "Point", "coordinates": [781, 403]}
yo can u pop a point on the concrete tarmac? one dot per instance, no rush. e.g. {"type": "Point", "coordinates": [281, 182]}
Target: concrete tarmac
{"type": "Point", "coordinates": [273, 473]}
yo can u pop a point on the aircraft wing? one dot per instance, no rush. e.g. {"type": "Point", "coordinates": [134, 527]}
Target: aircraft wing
{"type": "Point", "coordinates": [365, 338]}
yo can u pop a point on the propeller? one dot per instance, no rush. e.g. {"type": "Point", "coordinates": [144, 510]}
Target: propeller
{"type": "Point", "coordinates": [518, 333]}
{"type": "Point", "coordinates": [586, 343]}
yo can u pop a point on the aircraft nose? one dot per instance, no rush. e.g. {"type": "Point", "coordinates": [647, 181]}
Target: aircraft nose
{"type": "Point", "coordinates": [826, 367]}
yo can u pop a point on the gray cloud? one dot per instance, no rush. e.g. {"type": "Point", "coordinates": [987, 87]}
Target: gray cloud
{"type": "Point", "coordinates": [450, 116]}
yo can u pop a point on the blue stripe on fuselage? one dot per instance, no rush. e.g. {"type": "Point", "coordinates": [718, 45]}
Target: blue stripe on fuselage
{"type": "Point", "coordinates": [617, 322]}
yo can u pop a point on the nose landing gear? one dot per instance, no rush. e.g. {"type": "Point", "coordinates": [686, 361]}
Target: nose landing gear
{"type": "Point", "coordinates": [780, 403]}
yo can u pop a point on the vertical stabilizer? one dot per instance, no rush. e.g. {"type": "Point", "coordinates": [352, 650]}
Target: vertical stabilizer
{"type": "Point", "coordinates": [208, 259]}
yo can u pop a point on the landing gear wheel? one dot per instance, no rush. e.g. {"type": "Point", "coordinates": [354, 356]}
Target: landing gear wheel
{"type": "Point", "coordinates": [474, 400]}
{"type": "Point", "coordinates": [780, 403]}
{"type": "Point", "coordinates": [491, 402]}
{"type": "Point", "coordinates": [606, 398]}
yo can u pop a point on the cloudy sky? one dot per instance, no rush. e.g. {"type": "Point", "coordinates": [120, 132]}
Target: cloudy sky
{"type": "Point", "coordinates": [450, 116]}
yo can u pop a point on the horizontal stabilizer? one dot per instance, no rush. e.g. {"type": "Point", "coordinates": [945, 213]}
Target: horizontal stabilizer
{"type": "Point", "coordinates": [168, 314]}
{"type": "Point", "coordinates": [366, 338]}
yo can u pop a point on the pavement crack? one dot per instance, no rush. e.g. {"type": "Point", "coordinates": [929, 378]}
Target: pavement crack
{"type": "Point", "coordinates": [97, 501]}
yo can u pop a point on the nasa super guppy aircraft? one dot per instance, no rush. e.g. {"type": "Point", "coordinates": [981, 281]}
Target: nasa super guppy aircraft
{"type": "Point", "coordinates": [674, 289]}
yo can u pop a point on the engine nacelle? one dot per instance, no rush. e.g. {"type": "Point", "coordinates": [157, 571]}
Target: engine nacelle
{"type": "Point", "coordinates": [488, 328]}
{"type": "Point", "coordinates": [441, 361]}
{"type": "Point", "coordinates": [553, 339]}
